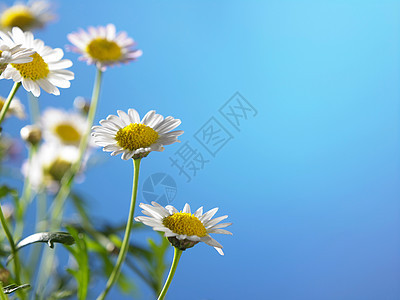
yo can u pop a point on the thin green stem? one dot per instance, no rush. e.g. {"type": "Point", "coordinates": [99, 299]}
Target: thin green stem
{"type": "Point", "coordinates": [12, 245]}
{"type": "Point", "coordinates": [125, 243]}
{"type": "Point", "coordinates": [41, 209]}
{"type": "Point", "coordinates": [177, 256]}
{"type": "Point", "coordinates": [69, 176]}
{"type": "Point", "coordinates": [25, 198]}
{"type": "Point", "coordinates": [34, 108]}
{"type": "Point", "coordinates": [6, 105]}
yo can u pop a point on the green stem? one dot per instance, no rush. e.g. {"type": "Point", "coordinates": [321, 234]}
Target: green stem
{"type": "Point", "coordinates": [177, 256]}
{"type": "Point", "coordinates": [13, 248]}
{"type": "Point", "coordinates": [34, 108]}
{"type": "Point", "coordinates": [69, 176]}
{"type": "Point", "coordinates": [41, 209]}
{"type": "Point", "coordinates": [25, 198]}
{"type": "Point", "coordinates": [125, 243]}
{"type": "Point", "coordinates": [6, 105]}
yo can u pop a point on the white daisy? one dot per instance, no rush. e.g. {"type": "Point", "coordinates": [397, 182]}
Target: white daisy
{"type": "Point", "coordinates": [14, 55]}
{"type": "Point", "coordinates": [63, 127]}
{"type": "Point", "coordinates": [29, 16]}
{"type": "Point", "coordinates": [16, 108]}
{"type": "Point", "coordinates": [133, 138]}
{"type": "Point", "coordinates": [103, 47]}
{"type": "Point", "coordinates": [46, 69]}
{"type": "Point", "coordinates": [49, 165]}
{"type": "Point", "coordinates": [184, 229]}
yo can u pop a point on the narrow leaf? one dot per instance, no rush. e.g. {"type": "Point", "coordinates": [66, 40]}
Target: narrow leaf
{"type": "Point", "coordinates": [13, 287]}
{"type": "Point", "coordinates": [47, 237]}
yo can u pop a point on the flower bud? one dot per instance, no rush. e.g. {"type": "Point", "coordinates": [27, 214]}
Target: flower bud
{"type": "Point", "coordinates": [82, 105]}
{"type": "Point", "coordinates": [31, 134]}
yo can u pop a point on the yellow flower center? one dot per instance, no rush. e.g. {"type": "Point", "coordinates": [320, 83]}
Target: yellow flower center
{"type": "Point", "coordinates": [58, 168]}
{"type": "Point", "coordinates": [17, 16]}
{"type": "Point", "coordinates": [2, 101]}
{"type": "Point", "coordinates": [67, 133]}
{"type": "Point", "coordinates": [104, 50]}
{"type": "Point", "coordinates": [36, 69]}
{"type": "Point", "coordinates": [135, 136]}
{"type": "Point", "coordinates": [185, 223]}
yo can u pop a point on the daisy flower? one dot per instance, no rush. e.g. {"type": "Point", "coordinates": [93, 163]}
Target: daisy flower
{"type": "Point", "coordinates": [16, 108]}
{"type": "Point", "coordinates": [184, 229]}
{"type": "Point", "coordinates": [49, 165]}
{"type": "Point", "coordinates": [14, 55]}
{"type": "Point", "coordinates": [103, 47]}
{"type": "Point", "coordinates": [63, 127]}
{"type": "Point", "coordinates": [133, 138]}
{"type": "Point", "coordinates": [45, 71]}
{"type": "Point", "coordinates": [34, 14]}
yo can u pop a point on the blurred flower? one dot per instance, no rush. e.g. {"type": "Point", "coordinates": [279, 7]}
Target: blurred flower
{"type": "Point", "coordinates": [8, 211]}
{"type": "Point", "coordinates": [184, 229]}
{"type": "Point", "coordinates": [15, 55]}
{"type": "Point", "coordinates": [103, 47]}
{"type": "Point", "coordinates": [133, 138]}
{"type": "Point", "coordinates": [10, 148]}
{"type": "Point", "coordinates": [34, 14]}
{"type": "Point", "coordinates": [16, 108]}
{"type": "Point", "coordinates": [82, 105]}
{"type": "Point", "coordinates": [46, 69]}
{"type": "Point", "coordinates": [5, 276]}
{"type": "Point", "coordinates": [31, 134]}
{"type": "Point", "coordinates": [63, 127]}
{"type": "Point", "coordinates": [49, 165]}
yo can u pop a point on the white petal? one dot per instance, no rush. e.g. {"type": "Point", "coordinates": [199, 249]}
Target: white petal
{"type": "Point", "coordinates": [208, 215]}
{"type": "Point", "coordinates": [198, 212]}
{"type": "Point", "coordinates": [211, 223]}
{"type": "Point", "coordinates": [219, 231]}
{"type": "Point", "coordinates": [186, 208]}
{"type": "Point", "coordinates": [133, 114]}
{"type": "Point", "coordinates": [124, 117]}
{"type": "Point", "coordinates": [210, 241]}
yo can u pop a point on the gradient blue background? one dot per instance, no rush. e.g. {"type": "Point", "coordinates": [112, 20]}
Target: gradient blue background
{"type": "Point", "coordinates": [311, 183]}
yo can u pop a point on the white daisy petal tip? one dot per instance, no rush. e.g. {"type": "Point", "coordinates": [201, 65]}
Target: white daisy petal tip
{"type": "Point", "coordinates": [134, 138]}
{"type": "Point", "coordinates": [103, 46]}
{"type": "Point", "coordinates": [184, 229]}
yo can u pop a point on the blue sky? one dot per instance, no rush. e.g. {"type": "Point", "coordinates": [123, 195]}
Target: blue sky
{"type": "Point", "coordinates": [311, 182]}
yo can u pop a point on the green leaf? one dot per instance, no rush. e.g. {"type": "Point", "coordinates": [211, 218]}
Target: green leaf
{"type": "Point", "coordinates": [80, 252]}
{"type": "Point", "coordinates": [5, 191]}
{"type": "Point", "coordinates": [47, 237]}
{"type": "Point", "coordinates": [13, 287]}
{"type": "Point", "coordinates": [2, 295]}
{"type": "Point", "coordinates": [156, 264]}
